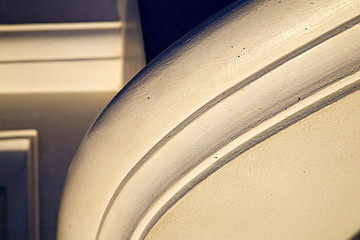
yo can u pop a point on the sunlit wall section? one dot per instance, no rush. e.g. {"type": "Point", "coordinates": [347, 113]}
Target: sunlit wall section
{"type": "Point", "coordinates": [302, 183]}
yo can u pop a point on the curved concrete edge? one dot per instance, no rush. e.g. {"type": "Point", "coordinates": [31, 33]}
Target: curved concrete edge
{"type": "Point", "coordinates": [216, 91]}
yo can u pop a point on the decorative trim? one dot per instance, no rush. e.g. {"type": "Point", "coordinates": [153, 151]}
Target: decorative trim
{"type": "Point", "coordinates": [213, 95]}
{"type": "Point", "coordinates": [97, 75]}
{"type": "Point", "coordinates": [14, 140]}
{"type": "Point", "coordinates": [93, 51]}
{"type": "Point", "coordinates": [55, 27]}
{"type": "Point", "coordinates": [239, 145]}
{"type": "Point", "coordinates": [59, 41]}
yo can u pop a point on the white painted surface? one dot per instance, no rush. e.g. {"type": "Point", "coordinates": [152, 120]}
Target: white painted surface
{"type": "Point", "coordinates": [14, 145]}
{"type": "Point", "coordinates": [302, 183]}
{"type": "Point", "coordinates": [241, 79]}
{"type": "Point", "coordinates": [61, 76]}
{"type": "Point", "coordinates": [71, 57]}
{"type": "Point", "coordinates": [51, 27]}
{"type": "Point", "coordinates": [61, 41]}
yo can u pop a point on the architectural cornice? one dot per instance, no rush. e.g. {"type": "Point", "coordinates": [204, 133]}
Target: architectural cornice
{"type": "Point", "coordinates": [61, 57]}
{"type": "Point", "coordinates": [245, 75]}
{"type": "Point", "coordinates": [55, 27]}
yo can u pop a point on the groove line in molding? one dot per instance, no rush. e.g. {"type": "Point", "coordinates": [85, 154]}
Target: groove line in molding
{"type": "Point", "coordinates": [243, 143]}
{"type": "Point", "coordinates": [297, 52]}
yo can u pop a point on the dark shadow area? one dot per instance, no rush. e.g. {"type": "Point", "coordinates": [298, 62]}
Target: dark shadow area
{"type": "Point", "coordinates": [165, 21]}
{"type": "Point", "coordinates": [39, 11]}
{"type": "Point", "coordinates": [13, 195]}
{"type": "Point", "coordinates": [3, 214]}
{"type": "Point", "coordinates": [356, 236]}
{"type": "Point", "coordinates": [61, 120]}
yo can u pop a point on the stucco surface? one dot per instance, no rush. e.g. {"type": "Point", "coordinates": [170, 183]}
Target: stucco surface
{"type": "Point", "coordinates": [302, 183]}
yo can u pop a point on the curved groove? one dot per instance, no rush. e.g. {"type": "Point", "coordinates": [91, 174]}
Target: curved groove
{"type": "Point", "coordinates": [322, 38]}
{"type": "Point", "coordinates": [201, 175]}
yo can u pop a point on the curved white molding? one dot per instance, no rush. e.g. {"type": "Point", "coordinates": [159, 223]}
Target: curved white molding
{"type": "Point", "coordinates": [245, 75]}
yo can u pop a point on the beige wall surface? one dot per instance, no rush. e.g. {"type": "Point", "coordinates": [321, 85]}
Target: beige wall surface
{"type": "Point", "coordinates": [302, 183]}
{"type": "Point", "coordinates": [61, 120]}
